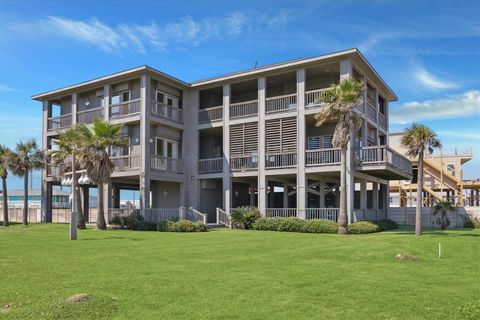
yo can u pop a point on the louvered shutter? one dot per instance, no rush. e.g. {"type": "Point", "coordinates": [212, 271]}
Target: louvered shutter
{"type": "Point", "coordinates": [244, 139]}
{"type": "Point", "coordinates": [281, 135]}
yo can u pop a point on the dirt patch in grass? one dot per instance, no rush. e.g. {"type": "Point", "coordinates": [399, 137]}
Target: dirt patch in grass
{"type": "Point", "coordinates": [78, 298]}
{"type": "Point", "coordinates": [405, 257]}
{"type": "Point", "coordinates": [7, 308]}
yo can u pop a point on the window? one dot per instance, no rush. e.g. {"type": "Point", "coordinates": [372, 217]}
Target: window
{"type": "Point", "coordinates": [319, 142]}
{"type": "Point", "coordinates": [160, 97]}
{"type": "Point", "coordinates": [126, 96]}
{"type": "Point", "coordinates": [120, 97]}
{"type": "Point", "coordinates": [382, 140]}
{"type": "Point", "coordinates": [167, 148]}
{"type": "Point", "coordinates": [381, 105]}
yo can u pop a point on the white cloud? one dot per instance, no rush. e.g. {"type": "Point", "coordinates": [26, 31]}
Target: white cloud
{"type": "Point", "coordinates": [4, 88]}
{"type": "Point", "coordinates": [430, 81]}
{"type": "Point", "coordinates": [454, 106]}
{"type": "Point", "coordinates": [141, 38]}
{"type": "Point", "coordinates": [460, 134]}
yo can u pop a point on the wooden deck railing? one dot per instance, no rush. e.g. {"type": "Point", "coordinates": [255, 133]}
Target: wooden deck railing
{"type": "Point", "coordinates": [166, 164]}
{"type": "Point", "coordinates": [87, 116]}
{"type": "Point", "coordinates": [119, 212]}
{"type": "Point", "coordinates": [241, 163]}
{"type": "Point", "coordinates": [313, 98]}
{"type": "Point", "coordinates": [383, 155]}
{"type": "Point", "coordinates": [243, 109]}
{"type": "Point", "coordinates": [281, 160]}
{"type": "Point", "coordinates": [281, 212]}
{"type": "Point", "coordinates": [59, 122]}
{"type": "Point", "coordinates": [210, 114]}
{"type": "Point", "coordinates": [165, 111]}
{"type": "Point", "coordinates": [195, 215]}
{"type": "Point", "coordinates": [163, 214]}
{"type": "Point", "coordinates": [322, 213]}
{"type": "Point", "coordinates": [224, 218]}
{"type": "Point", "coordinates": [319, 157]}
{"type": "Point", "coordinates": [125, 108]}
{"type": "Point", "coordinates": [371, 112]}
{"type": "Point", "coordinates": [382, 121]}
{"type": "Point", "coordinates": [212, 165]}
{"type": "Point", "coordinates": [126, 162]}
{"type": "Point", "coordinates": [281, 103]}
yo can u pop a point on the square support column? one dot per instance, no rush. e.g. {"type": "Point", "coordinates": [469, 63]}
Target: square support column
{"type": "Point", "coordinates": [262, 192]}
{"type": "Point", "coordinates": [74, 108]}
{"type": "Point", "coordinates": [106, 102]}
{"type": "Point", "coordinates": [321, 194]}
{"type": "Point", "coordinates": [285, 195]}
{"type": "Point", "coordinates": [46, 202]}
{"type": "Point", "coordinates": [301, 177]}
{"type": "Point", "coordinates": [191, 149]}
{"type": "Point", "coordinates": [227, 185]}
{"type": "Point", "coordinates": [145, 84]}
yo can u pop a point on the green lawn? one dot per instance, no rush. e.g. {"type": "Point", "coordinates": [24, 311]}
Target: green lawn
{"type": "Point", "coordinates": [234, 274]}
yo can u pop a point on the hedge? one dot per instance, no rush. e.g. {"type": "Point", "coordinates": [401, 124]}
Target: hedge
{"type": "Point", "coordinates": [295, 225]}
{"type": "Point", "coordinates": [363, 227]}
{"type": "Point", "coordinates": [136, 222]}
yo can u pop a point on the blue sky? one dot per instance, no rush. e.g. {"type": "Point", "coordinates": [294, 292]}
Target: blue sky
{"type": "Point", "coordinates": [427, 51]}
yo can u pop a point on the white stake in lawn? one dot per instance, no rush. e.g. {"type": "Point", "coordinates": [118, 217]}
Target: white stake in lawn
{"type": "Point", "coordinates": [439, 250]}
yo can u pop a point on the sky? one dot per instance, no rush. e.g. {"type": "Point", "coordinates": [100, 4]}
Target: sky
{"type": "Point", "coordinates": [427, 51]}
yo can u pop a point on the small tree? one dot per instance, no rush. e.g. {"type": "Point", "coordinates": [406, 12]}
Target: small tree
{"type": "Point", "coordinates": [5, 154]}
{"type": "Point", "coordinates": [244, 217]}
{"type": "Point", "coordinates": [442, 208]}
{"type": "Point", "coordinates": [27, 157]}
{"type": "Point", "coordinates": [420, 140]}
{"type": "Point", "coordinates": [340, 101]}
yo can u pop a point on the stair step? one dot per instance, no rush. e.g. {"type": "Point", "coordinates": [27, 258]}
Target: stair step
{"type": "Point", "coordinates": [215, 225]}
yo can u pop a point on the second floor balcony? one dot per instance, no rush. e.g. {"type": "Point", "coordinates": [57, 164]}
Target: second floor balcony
{"type": "Point", "coordinates": [210, 114]}
{"type": "Point", "coordinates": [124, 109]}
{"type": "Point", "coordinates": [60, 122]}
{"type": "Point", "coordinates": [165, 111]}
{"type": "Point", "coordinates": [166, 164]}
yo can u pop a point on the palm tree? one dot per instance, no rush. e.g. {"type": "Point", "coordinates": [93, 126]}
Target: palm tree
{"type": "Point", "coordinates": [442, 208]}
{"type": "Point", "coordinates": [62, 157]}
{"type": "Point", "coordinates": [27, 157]}
{"type": "Point", "coordinates": [94, 157]}
{"type": "Point", "coordinates": [5, 154]}
{"type": "Point", "coordinates": [340, 101]}
{"type": "Point", "coordinates": [419, 140]}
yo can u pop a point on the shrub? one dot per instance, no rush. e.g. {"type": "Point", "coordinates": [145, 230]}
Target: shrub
{"type": "Point", "coordinates": [362, 227]}
{"type": "Point", "coordinates": [200, 227]}
{"type": "Point", "coordinates": [116, 222]}
{"type": "Point", "coordinates": [182, 226]}
{"type": "Point", "coordinates": [296, 225]}
{"type": "Point", "coordinates": [244, 217]}
{"type": "Point", "coordinates": [165, 225]}
{"type": "Point", "coordinates": [146, 226]}
{"type": "Point", "coordinates": [320, 226]}
{"type": "Point", "coordinates": [387, 224]}
{"type": "Point", "coordinates": [132, 221]}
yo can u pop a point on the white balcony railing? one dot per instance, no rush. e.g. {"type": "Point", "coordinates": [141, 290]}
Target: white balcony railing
{"type": "Point", "coordinates": [322, 213]}
{"type": "Point", "coordinates": [210, 114]}
{"type": "Point", "coordinates": [244, 109]}
{"type": "Point", "coordinates": [313, 98]}
{"type": "Point", "coordinates": [242, 163]}
{"type": "Point", "coordinates": [166, 164]}
{"type": "Point", "coordinates": [281, 160]}
{"type": "Point", "coordinates": [224, 218]}
{"type": "Point", "coordinates": [212, 165]}
{"type": "Point", "coordinates": [165, 111]}
{"type": "Point", "coordinates": [125, 108]}
{"type": "Point", "coordinates": [281, 212]}
{"type": "Point", "coordinates": [59, 122]}
{"type": "Point", "coordinates": [163, 214]}
{"type": "Point", "coordinates": [318, 157]}
{"type": "Point", "coordinates": [281, 103]}
{"type": "Point", "coordinates": [87, 116]}
{"type": "Point", "coordinates": [383, 155]}
{"type": "Point", "coordinates": [126, 162]}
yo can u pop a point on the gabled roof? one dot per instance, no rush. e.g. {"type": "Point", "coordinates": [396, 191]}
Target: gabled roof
{"type": "Point", "coordinates": [353, 53]}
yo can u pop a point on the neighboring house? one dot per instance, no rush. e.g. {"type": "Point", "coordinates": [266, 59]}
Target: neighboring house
{"type": "Point", "coordinates": [245, 138]}
{"type": "Point", "coordinates": [443, 176]}
{"type": "Point", "coordinates": [60, 198]}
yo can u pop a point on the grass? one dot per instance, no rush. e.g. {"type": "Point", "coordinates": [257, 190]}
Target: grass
{"type": "Point", "coordinates": [234, 274]}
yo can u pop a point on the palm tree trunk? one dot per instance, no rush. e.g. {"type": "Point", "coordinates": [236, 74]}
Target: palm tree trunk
{"type": "Point", "coordinates": [5, 201]}
{"type": "Point", "coordinates": [25, 198]}
{"type": "Point", "coordinates": [342, 215]}
{"type": "Point", "coordinates": [101, 224]}
{"type": "Point", "coordinates": [81, 217]}
{"type": "Point", "coordinates": [418, 212]}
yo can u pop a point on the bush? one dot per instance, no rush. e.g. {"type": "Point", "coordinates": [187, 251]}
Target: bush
{"type": "Point", "coordinates": [200, 227]}
{"type": "Point", "coordinates": [130, 222]}
{"type": "Point", "coordinates": [146, 226]}
{"type": "Point", "coordinates": [165, 225]}
{"type": "Point", "coordinates": [386, 224]}
{"type": "Point", "coordinates": [244, 217]}
{"type": "Point", "coordinates": [320, 226]}
{"type": "Point", "coordinates": [296, 225]}
{"type": "Point", "coordinates": [116, 222]}
{"type": "Point", "coordinates": [186, 226]}
{"type": "Point", "coordinates": [362, 227]}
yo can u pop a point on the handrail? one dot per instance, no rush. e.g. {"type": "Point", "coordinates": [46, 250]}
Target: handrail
{"type": "Point", "coordinates": [89, 110]}
{"type": "Point", "coordinates": [60, 116]}
{"type": "Point", "coordinates": [210, 108]}
{"type": "Point", "coordinates": [210, 165]}
{"type": "Point", "coordinates": [210, 114]}
{"type": "Point", "coordinates": [324, 156]}
{"type": "Point", "coordinates": [224, 218]}
{"type": "Point", "coordinates": [322, 213]}
{"type": "Point", "coordinates": [383, 154]}
{"type": "Point", "coordinates": [166, 111]}
{"type": "Point", "coordinates": [281, 96]}
{"type": "Point", "coordinates": [243, 102]}
{"type": "Point", "coordinates": [166, 163]}
{"type": "Point", "coordinates": [281, 212]}
{"type": "Point", "coordinates": [124, 102]}
{"type": "Point", "coordinates": [198, 214]}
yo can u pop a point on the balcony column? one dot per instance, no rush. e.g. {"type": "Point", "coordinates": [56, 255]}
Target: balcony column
{"type": "Point", "coordinates": [46, 195]}
{"type": "Point", "coordinates": [363, 194]}
{"type": "Point", "coordinates": [346, 72]}
{"type": "Point", "coordinates": [46, 201]}
{"type": "Point", "coordinates": [85, 191]}
{"type": "Point", "coordinates": [321, 192]}
{"type": "Point", "coordinates": [74, 108]}
{"type": "Point", "coordinates": [301, 178]}
{"type": "Point", "coordinates": [375, 197]}
{"type": "Point", "coordinates": [107, 198]}
{"type": "Point", "coordinates": [262, 192]}
{"type": "Point", "coordinates": [227, 184]}
{"type": "Point", "coordinates": [252, 195]}
{"type": "Point", "coordinates": [106, 102]}
{"type": "Point", "coordinates": [145, 84]}
{"type": "Point", "coordinates": [271, 195]}
{"type": "Point", "coordinates": [191, 148]}
{"type": "Point", "coordinates": [386, 199]}
{"type": "Point", "coordinates": [285, 195]}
